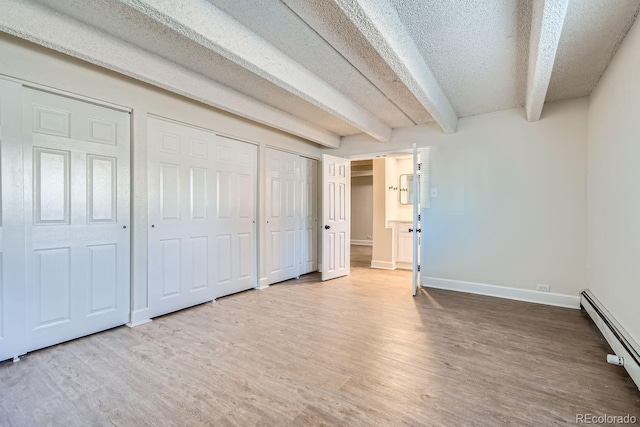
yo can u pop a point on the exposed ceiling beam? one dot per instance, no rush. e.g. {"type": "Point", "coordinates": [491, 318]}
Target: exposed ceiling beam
{"type": "Point", "coordinates": [48, 28]}
{"type": "Point", "coordinates": [546, 27]}
{"type": "Point", "coordinates": [380, 24]}
{"type": "Point", "coordinates": [205, 24]}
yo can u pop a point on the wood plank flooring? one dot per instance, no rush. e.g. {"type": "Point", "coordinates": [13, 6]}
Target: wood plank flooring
{"type": "Point", "coordinates": [356, 351]}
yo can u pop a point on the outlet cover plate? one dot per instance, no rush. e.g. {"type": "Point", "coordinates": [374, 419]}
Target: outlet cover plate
{"type": "Point", "coordinates": [543, 288]}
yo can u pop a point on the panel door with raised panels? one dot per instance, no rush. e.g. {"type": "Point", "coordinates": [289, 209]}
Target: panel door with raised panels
{"type": "Point", "coordinates": [235, 194]}
{"type": "Point", "coordinates": [181, 216]}
{"type": "Point", "coordinates": [336, 217]}
{"type": "Point", "coordinates": [309, 216]}
{"type": "Point", "coordinates": [282, 215]}
{"type": "Point", "coordinates": [76, 204]}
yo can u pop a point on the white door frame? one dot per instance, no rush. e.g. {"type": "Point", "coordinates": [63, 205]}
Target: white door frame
{"type": "Point", "coordinates": [379, 154]}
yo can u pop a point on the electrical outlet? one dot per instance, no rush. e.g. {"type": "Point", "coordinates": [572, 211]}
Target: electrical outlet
{"type": "Point", "coordinates": [543, 288]}
{"type": "Point", "coordinates": [369, 237]}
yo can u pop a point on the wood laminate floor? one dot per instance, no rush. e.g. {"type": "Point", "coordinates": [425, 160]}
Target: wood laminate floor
{"type": "Point", "coordinates": [356, 351]}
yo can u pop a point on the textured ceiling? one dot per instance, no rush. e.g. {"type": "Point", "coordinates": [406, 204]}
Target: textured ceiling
{"type": "Point", "coordinates": [280, 26]}
{"type": "Point", "coordinates": [476, 50]}
{"type": "Point", "coordinates": [592, 32]}
{"type": "Point", "coordinates": [140, 30]}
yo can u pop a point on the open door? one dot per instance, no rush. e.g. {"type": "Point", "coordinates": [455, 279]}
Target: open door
{"type": "Point", "coordinates": [336, 217]}
{"type": "Point", "coordinates": [421, 202]}
{"type": "Point", "coordinates": [415, 277]}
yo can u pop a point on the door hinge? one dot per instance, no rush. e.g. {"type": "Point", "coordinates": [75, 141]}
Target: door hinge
{"type": "Point", "coordinates": [418, 267]}
{"type": "Point", "coordinates": [418, 217]}
{"type": "Point", "coordinates": [419, 166]}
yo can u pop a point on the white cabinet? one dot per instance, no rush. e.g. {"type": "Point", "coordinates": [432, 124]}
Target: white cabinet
{"type": "Point", "coordinates": [403, 244]}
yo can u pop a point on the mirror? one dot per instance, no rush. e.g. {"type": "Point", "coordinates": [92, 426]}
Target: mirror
{"type": "Point", "coordinates": [406, 189]}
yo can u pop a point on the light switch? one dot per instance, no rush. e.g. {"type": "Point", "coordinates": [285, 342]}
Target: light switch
{"type": "Point", "coordinates": [434, 192]}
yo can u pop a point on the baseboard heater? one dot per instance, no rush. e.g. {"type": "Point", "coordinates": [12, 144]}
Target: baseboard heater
{"type": "Point", "coordinates": [619, 340]}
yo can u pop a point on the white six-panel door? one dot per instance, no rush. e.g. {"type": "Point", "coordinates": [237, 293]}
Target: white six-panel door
{"type": "Point", "coordinates": [283, 214]}
{"type": "Point", "coordinates": [235, 249]}
{"type": "Point", "coordinates": [76, 205]}
{"type": "Point", "coordinates": [202, 207]}
{"type": "Point", "coordinates": [181, 210]}
{"type": "Point", "coordinates": [336, 217]}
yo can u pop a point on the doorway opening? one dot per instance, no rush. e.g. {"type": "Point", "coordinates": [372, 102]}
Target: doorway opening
{"type": "Point", "coordinates": [382, 212]}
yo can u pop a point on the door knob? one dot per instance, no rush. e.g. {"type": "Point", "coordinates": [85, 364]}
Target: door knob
{"type": "Point", "coordinates": [326, 227]}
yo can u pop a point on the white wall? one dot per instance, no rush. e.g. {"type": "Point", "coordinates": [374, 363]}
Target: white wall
{"type": "Point", "coordinates": [614, 186]}
{"type": "Point", "coordinates": [511, 205]}
{"type": "Point", "coordinates": [362, 207]}
{"type": "Point", "coordinates": [36, 64]}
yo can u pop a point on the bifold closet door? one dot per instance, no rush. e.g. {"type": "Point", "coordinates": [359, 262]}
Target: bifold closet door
{"type": "Point", "coordinates": [235, 195]}
{"type": "Point", "coordinates": [76, 213]}
{"type": "Point", "coordinates": [283, 215]}
{"type": "Point", "coordinates": [181, 211]}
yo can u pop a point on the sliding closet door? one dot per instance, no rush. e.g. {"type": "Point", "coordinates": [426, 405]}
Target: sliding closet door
{"type": "Point", "coordinates": [235, 191]}
{"type": "Point", "coordinates": [283, 215]}
{"type": "Point", "coordinates": [12, 291]}
{"type": "Point", "coordinates": [309, 220]}
{"type": "Point", "coordinates": [181, 212]}
{"type": "Point", "coordinates": [76, 200]}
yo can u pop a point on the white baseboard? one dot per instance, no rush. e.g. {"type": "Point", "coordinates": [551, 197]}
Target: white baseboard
{"type": "Point", "coordinates": [404, 265]}
{"type": "Point", "coordinates": [362, 242]}
{"type": "Point", "coordinates": [548, 298]}
{"type": "Point", "coordinates": [592, 306]}
{"type": "Point", "coordinates": [383, 265]}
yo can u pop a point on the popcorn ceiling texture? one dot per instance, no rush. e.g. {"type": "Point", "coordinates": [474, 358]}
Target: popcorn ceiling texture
{"type": "Point", "coordinates": [548, 17]}
{"type": "Point", "coordinates": [321, 68]}
{"type": "Point", "coordinates": [384, 31]}
{"type": "Point", "coordinates": [592, 32]}
{"type": "Point", "coordinates": [280, 26]}
{"type": "Point", "coordinates": [140, 30]}
{"type": "Point", "coordinates": [330, 22]}
{"type": "Point", "coordinates": [44, 26]}
{"type": "Point", "coordinates": [477, 50]}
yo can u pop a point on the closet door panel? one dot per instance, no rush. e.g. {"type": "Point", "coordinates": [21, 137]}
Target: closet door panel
{"type": "Point", "coordinates": [202, 211]}
{"type": "Point", "coordinates": [181, 235]}
{"type": "Point", "coordinates": [76, 204]}
{"type": "Point", "coordinates": [291, 218]}
{"type": "Point", "coordinates": [235, 222]}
